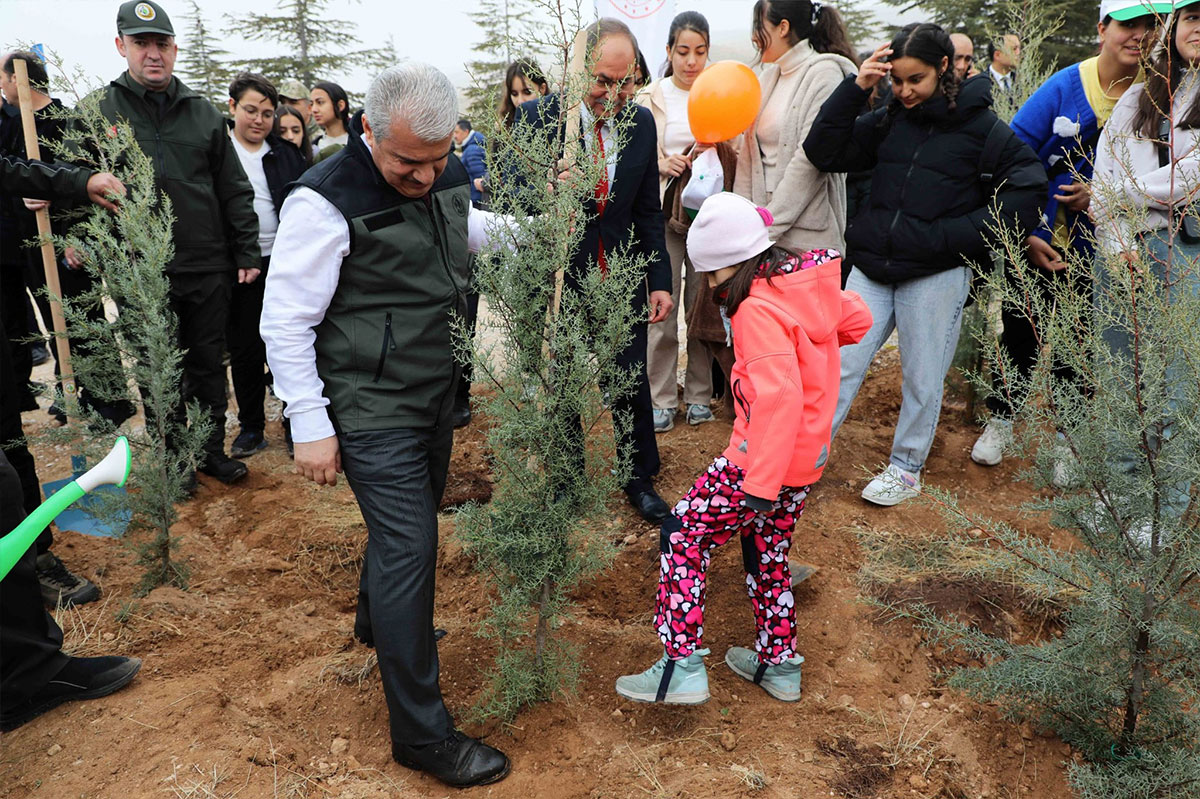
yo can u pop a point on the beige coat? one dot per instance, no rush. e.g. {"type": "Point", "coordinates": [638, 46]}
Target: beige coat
{"type": "Point", "coordinates": [809, 206]}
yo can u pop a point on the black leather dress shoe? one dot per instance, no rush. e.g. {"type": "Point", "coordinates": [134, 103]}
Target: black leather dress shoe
{"type": "Point", "coordinates": [459, 761]}
{"type": "Point", "coordinates": [650, 505]}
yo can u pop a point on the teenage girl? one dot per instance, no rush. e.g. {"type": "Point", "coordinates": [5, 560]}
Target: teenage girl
{"type": "Point", "coordinates": [930, 214]}
{"type": "Point", "coordinates": [330, 110]}
{"type": "Point", "coordinates": [291, 128]}
{"type": "Point", "coordinates": [667, 99]}
{"type": "Point", "coordinates": [788, 316]}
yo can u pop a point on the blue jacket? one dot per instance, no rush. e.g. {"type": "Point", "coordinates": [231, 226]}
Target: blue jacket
{"type": "Point", "coordinates": [1061, 98]}
{"type": "Point", "coordinates": [475, 160]}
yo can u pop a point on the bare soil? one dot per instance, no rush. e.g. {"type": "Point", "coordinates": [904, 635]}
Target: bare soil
{"type": "Point", "coordinates": [252, 685]}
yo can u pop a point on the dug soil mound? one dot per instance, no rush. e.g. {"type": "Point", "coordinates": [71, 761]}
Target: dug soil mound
{"type": "Point", "coordinates": [253, 687]}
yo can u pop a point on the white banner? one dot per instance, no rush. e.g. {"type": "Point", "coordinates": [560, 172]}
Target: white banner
{"type": "Point", "coordinates": [650, 21]}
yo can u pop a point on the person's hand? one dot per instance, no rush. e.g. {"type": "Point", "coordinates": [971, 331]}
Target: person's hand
{"type": "Point", "coordinates": [673, 165]}
{"type": "Point", "coordinates": [35, 205]}
{"type": "Point", "coordinates": [660, 305]}
{"type": "Point", "coordinates": [1043, 255]}
{"type": "Point", "coordinates": [248, 275]}
{"type": "Point", "coordinates": [874, 69]}
{"type": "Point", "coordinates": [478, 184]}
{"type": "Point", "coordinates": [73, 258]}
{"type": "Point", "coordinates": [319, 461]}
{"type": "Point", "coordinates": [103, 184]}
{"type": "Point", "coordinates": [1075, 196]}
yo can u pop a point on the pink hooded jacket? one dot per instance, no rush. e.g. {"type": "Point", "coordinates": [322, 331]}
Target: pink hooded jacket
{"type": "Point", "coordinates": [786, 335]}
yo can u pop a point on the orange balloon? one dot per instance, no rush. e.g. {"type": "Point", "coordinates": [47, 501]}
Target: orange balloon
{"type": "Point", "coordinates": [723, 102]}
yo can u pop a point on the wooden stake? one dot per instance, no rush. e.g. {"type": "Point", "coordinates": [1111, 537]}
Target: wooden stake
{"type": "Point", "coordinates": [49, 261]}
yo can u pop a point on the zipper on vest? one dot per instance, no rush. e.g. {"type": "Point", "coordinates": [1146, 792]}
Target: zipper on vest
{"type": "Point", "coordinates": [389, 342]}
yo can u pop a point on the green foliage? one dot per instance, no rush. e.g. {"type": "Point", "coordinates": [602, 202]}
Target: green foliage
{"type": "Point", "coordinates": [203, 65]}
{"type": "Point", "coordinates": [511, 29]}
{"type": "Point", "coordinates": [126, 253]}
{"type": "Point", "coordinates": [1074, 41]}
{"type": "Point", "coordinates": [547, 528]}
{"type": "Point", "coordinates": [1122, 682]}
{"type": "Point", "coordinates": [315, 44]}
{"type": "Point", "coordinates": [862, 23]}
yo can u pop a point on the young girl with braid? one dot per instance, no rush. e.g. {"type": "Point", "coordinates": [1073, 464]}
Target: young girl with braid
{"type": "Point", "coordinates": [946, 173]}
{"type": "Point", "coordinates": [788, 316]}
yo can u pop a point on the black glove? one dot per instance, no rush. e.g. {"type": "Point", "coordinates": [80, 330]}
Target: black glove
{"type": "Point", "coordinates": [758, 503]}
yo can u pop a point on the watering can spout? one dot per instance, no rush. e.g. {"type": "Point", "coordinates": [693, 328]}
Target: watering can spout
{"type": "Point", "coordinates": [113, 469]}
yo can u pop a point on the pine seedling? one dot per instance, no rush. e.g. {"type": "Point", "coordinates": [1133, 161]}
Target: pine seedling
{"type": "Point", "coordinates": [547, 528]}
{"type": "Point", "coordinates": [1122, 682]}
{"type": "Point", "coordinates": [124, 340]}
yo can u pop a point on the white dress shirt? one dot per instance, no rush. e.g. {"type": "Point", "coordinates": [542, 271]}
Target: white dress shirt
{"type": "Point", "coordinates": [587, 124]}
{"type": "Point", "coordinates": [312, 240]}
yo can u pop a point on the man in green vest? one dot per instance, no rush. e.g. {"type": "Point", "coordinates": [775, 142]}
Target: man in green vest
{"type": "Point", "coordinates": [369, 270]}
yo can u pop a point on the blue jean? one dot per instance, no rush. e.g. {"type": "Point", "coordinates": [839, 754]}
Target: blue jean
{"type": "Point", "coordinates": [927, 314]}
{"type": "Point", "coordinates": [1184, 265]}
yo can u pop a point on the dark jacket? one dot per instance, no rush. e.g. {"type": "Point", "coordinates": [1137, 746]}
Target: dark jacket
{"type": "Point", "coordinates": [928, 210]}
{"type": "Point", "coordinates": [474, 158]}
{"type": "Point", "coordinates": [385, 348]}
{"type": "Point", "coordinates": [216, 229]}
{"type": "Point", "coordinates": [633, 210]}
{"type": "Point", "coordinates": [62, 183]}
{"type": "Point", "coordinates": [17, 223]}
{"type": "Point", "coordinates": [282, 164]}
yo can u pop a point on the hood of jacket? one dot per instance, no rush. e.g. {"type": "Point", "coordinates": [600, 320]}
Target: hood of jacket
{"type": "Point", "coordinates": [811, 296]}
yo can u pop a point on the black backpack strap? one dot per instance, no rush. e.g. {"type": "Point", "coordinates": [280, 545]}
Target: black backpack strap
{"type": "Point", "coordinates": [993, 148]}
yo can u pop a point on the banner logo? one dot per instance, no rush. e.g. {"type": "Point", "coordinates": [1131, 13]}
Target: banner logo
{"type": "Point", "coordinates": [637, 9]}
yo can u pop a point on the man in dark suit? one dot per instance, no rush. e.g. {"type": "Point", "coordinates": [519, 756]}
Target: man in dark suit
{"type": "Point", "coordinates": [626, 206]}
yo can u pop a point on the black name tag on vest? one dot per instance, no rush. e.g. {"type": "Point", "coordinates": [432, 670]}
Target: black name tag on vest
{"type": "Point", "coordinates": [386, 219]}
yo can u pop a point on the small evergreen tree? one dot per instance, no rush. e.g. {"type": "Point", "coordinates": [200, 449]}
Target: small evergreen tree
{"type": "Point", "coordinates": [862, 24]}
{"type": "Point", "coordinates": [315, 44]}
{"type": "Point", "coordinates": [203, 64]}
{"type": "Point", "coordinates": [126, 254]}
{"type": "Point", "coordinates": [511, 29]}
{"type": "Point", "coordinates": [547, 527]}
{"type": "Point", "coordinates": [1122, 683]}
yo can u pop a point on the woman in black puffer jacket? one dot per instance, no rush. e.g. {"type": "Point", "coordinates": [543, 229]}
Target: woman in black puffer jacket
{"type": "Point", "coordinates": [930, 214]}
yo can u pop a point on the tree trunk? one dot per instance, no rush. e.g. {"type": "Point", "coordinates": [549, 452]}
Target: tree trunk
{"type": "Point", "coordinates": [543, 623]}
{"type": "Point", "coordinates": [1141, 648]}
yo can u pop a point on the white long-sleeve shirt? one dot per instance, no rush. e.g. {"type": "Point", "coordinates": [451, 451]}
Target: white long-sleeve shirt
{"type": "Point", "coordinates": [1131, 193]}
{"type": "Point", "coordinates": [312, 240]}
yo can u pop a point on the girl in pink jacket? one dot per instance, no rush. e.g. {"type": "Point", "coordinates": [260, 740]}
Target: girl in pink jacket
{"type": "Point", "coordinates": [788, 316]}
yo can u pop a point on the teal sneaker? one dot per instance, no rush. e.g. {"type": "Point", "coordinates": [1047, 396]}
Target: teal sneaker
{"type": "Point", "coordinates": [675, 682]}
{"type": "Point", "coordinates": [781, 681]}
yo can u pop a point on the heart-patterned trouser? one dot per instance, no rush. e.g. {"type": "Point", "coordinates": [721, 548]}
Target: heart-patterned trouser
{"type": "Point", "coordinates": [708, 516]}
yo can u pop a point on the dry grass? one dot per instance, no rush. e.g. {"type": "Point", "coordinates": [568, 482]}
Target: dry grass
{"type": "Point", "coordinates": [198, 783]}
{"type": "Point", "coordinates": [349, 668]}
{"type": "Point", "coordinates": [330, 545]}
{"type": "Point", "coordinates": [752, 777]}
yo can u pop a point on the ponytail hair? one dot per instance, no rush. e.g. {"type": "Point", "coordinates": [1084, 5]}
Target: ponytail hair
{"type": "Point", "coordinates": [929, 44]}
{"type": "Point", "coordinates": [819, 23]}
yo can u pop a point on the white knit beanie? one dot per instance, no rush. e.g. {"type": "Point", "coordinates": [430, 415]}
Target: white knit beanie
{"type": "Point", "coordinates": [728, 230]}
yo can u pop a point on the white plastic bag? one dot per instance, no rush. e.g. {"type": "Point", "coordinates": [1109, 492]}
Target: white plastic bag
{"type": "Point", "coordinates": [708, 178]}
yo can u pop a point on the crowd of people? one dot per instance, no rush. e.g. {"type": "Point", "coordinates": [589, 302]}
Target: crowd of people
{"type": "Point", "coordinates": [326, 251]}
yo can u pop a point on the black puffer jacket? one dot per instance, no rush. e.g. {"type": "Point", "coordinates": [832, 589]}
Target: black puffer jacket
{"type": "Point", "coordinates": [928, 210]}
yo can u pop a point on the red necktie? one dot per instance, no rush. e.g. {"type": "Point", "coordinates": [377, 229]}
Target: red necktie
{"type": "Point", "coordinates": [601, 193]}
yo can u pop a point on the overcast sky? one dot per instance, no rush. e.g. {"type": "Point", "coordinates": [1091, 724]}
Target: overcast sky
{"type": "Point", "coordinates": [436, 31]}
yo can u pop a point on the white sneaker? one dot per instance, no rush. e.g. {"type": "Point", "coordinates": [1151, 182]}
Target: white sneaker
{"type": "Point", "coordinates": [997, 436]}
{"type": "Point", "coordinates": [892, 487]}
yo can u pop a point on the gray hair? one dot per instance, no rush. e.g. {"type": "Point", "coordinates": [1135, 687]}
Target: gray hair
{"type": "Point", "coordinates": [418, 93]}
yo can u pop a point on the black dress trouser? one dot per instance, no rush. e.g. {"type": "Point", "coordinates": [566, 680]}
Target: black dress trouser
{"type": "Point", "coordinates": [201, 302]}
{"type": "Point", "coordinates": [398, 477]}
{"type": "Point", "coordinates": [30, 641]}
{"type": "Point", "coordinates": [247, 352]}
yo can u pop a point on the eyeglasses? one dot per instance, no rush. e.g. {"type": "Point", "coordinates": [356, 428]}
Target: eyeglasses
{"type": "Point", "coordinates": [608, 84]}
{"type": "Point", "coordinates": [265, 114]}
